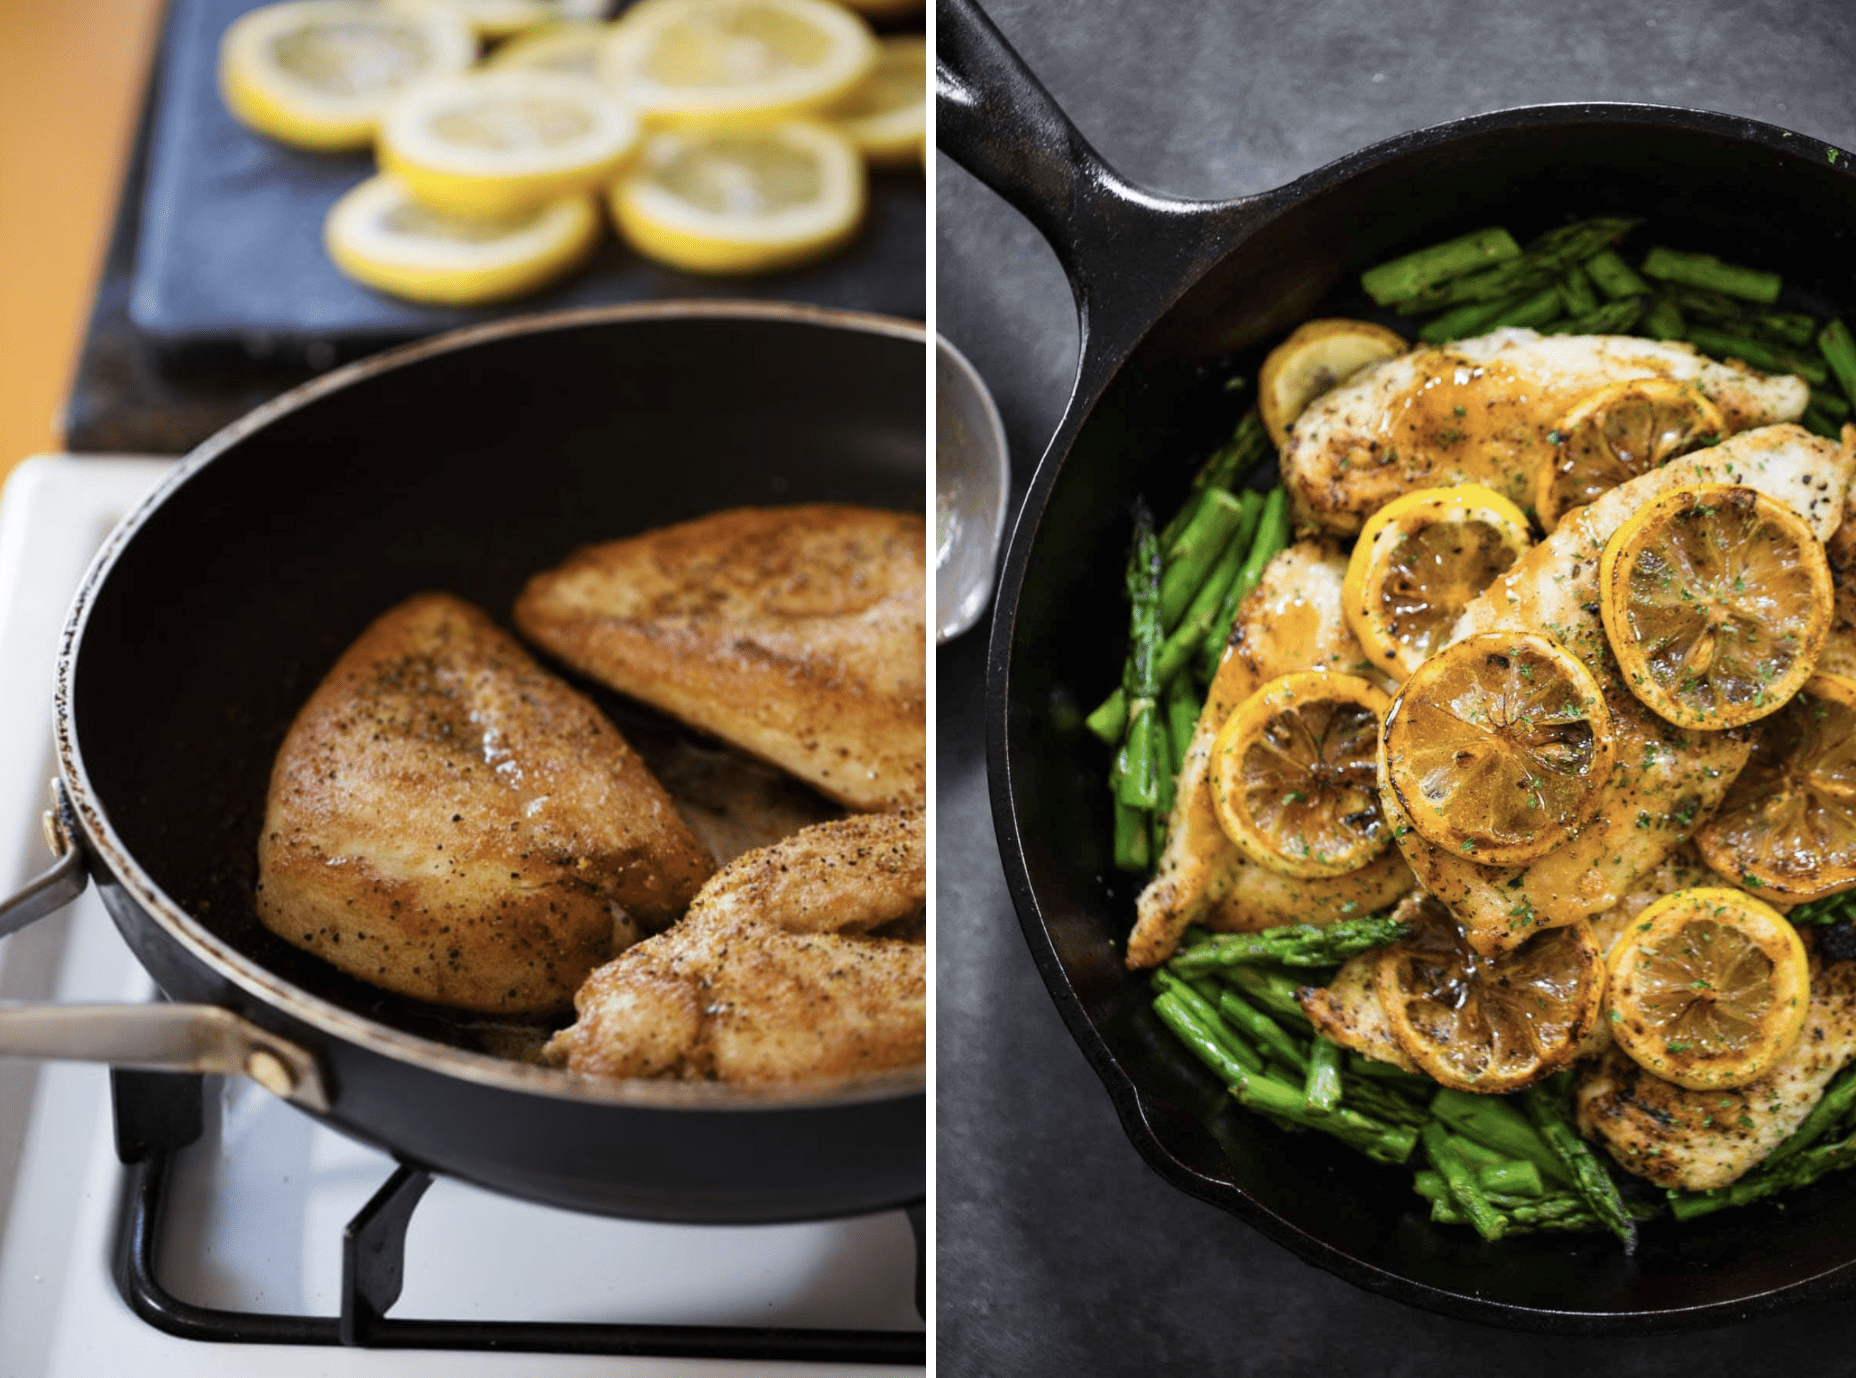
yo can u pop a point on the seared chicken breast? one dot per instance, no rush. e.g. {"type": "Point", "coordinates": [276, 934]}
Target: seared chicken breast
{"type": "Point", "coordinates": [779, 972]}
{"type": "Point", "coordinates": [449, 821]}
{"type": "Point", "coordinates": [1667, 780]}
{"type": "Point", "coordinates": [1348, 1009]}
{"type": "Point", "coordinates": [1479, 411]}
{"type": "Point", "coordinates": [1701, 1139]}
{"type": "Point", "coordinates": [1291, 621]}
{"type": "Point", "coordinates": [796, 634]}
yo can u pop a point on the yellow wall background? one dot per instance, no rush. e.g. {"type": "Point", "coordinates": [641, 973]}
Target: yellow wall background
{"type": "Point", "coordinates": [71, 77]}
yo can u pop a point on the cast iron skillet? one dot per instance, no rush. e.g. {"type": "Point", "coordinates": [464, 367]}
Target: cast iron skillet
{"type": "Point", "coordinates": [466, 463]}
{"type": "Point", "coordinates": [1173, 298]}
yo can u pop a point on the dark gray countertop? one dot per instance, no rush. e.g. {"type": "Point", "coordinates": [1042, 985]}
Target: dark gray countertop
{"type": "Point", "coordinates": [1059, 1251]}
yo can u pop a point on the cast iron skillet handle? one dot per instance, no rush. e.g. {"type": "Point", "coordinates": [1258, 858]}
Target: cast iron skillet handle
{"type": "Point", "coordinates": [995, 119]}
{"type": "Point", "coordinates": [155, 1038]}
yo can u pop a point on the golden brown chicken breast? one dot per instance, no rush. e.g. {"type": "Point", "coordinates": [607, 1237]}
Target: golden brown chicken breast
{"type": "Point", "coordinates": [449, 821]}
{"type": "Point", "coordinates": [798, 634]}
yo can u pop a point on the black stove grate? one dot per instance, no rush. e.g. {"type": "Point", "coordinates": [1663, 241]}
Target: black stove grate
{"type": "Point", "coordinates": [159, 1114]}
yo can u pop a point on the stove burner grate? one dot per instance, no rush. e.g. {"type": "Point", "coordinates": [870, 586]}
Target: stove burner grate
{"type": "Point", "coordinates": [158, 1114]}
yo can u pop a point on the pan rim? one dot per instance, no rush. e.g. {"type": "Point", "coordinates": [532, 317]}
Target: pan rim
{"type": "Point", "coordinates": [336, 1021]}
{"type": "Point", "coordinates": [1103, 356]}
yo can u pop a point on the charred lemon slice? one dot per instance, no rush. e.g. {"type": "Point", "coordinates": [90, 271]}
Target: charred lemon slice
{"type": "Point", "coordinates": [1489, 1024]}
{"type": "Point", "coordinates": [1419, 561]}
{"type": "Point", "coordinates": [887, 116]}
{"type": "Point", "coordinates": [1617, 433]}
{"type": "Point", "coordinates": [1498, 747]}
{"type": "Point", "coordinates": [1317, 356]}
{"type": "Point", "coordinates": [1293, 774]}
{"type": "Point", "coordinates": [736, 61]}
{"type": "Point", "coordinates": [1788, 824]}
{"type": "Point", "coordinates": [1716, 600]}
{"type": "Point", "coordinates": [1709, 988]}
{"type": "Point", "coordinates": [503, 142]}
{"type": "Point", "coordinates": [318, 73]}
{"type": "Point", "coordinates": [378, 235]}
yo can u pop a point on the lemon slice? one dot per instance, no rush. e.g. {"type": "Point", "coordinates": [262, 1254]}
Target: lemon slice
{"type": "Point", "coordinates": [318, 73]}
{"type": "Point", "coordinates": [569, 50]}
{"type": "Point", "coordinates": [1617, 433]}
{"type": "Point", "coordinates": [1294, 779]}
{"type": "Point", "coordinates": [1709, 988]}
{"type": "Point", "coordinates": [1716, 600]}
{"type": "Point", "coordinates": [1489, 1024]}
{"type": "Point", "coordinates": [502, 142]}
{"type": "Point", "coordinates": [490, 19]}
{"type": "Point", "coordinates": [379, 235]}
{"type": "Point", "coordinates": [1314, 359]}
{"type": "Point", "coordinates": [1788, 824]}
{"type": "Point", "coordinates": [887, 116]}
{"type": "Point", "coordinates": [736, 61]}
{"type": "Point", "coordinates": [741, 201]}
{"type": "Point", "coordinates": [1419, 561]}
{"type": "Point", "coordinates": [1498, 747]}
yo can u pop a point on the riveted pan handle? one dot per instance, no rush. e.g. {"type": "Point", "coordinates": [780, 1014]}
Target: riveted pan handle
{"type": "Point", "coordinates": [1127, 252]}
{"type": "Point", "coordinates": [156, 1037]}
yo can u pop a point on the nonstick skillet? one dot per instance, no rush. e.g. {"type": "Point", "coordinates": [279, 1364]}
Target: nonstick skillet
{"type": "Point", "coordinates": [465, 463]}
{"type": "Point", "coordinates": [1173, 298]}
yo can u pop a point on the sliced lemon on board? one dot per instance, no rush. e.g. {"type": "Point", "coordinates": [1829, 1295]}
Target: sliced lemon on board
{"type": "Point", "coordinates": [1489, 1024]}
{"type": "Point", "coordinates": [741, 200]}
{"type": "Point", "coordinates": [318, 73]}
{"type": "Point", "coordinates": [1716, 600]}
{"type": "Point", "coordinates": [1294, 779]}
{"type": "Point", "coordinates": [496, 143]}
{"type": "Point", "coordinates": [1788, 824]}
{"type": "Point", "coordinates": [887, 116]}
{"type": "Point", "coordinates": [570, 50]}
{"type": "Point", "coordinates": [1498, 747]}
{"type": "Point", "coordinates": [1709, 988]}
{"type": "Point", "coordinates": [736, 61]}
{"type": "Point", "coordinates": [1317, 357]}
{"type": "Point", "coordinates": [491, 19]}
{"type": "Point", "coordinates": [1615, 434]}
{"type": "Point", "coordinates": [1418, 562]}
{"type": "Point", "coordinates": [380, 236]}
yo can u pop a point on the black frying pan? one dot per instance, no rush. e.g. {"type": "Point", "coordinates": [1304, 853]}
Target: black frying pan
{"type": "Point", "coordinates": [466, 463]}
{"type": "Point", "coordinates": [1173, 298]}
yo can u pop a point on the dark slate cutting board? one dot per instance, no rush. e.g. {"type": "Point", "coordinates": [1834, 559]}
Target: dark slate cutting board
{"type": "Point", "coordinates": [231, 252]}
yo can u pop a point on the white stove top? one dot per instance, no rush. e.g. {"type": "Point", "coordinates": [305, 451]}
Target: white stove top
{"type": "Point", "coordinates": [258, 1205]}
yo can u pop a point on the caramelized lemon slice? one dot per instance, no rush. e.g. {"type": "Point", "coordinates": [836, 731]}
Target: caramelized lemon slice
{"type": "Point", "coordinates": [1498, 747]}
{"type": "Point", "coordinates": [1293, 774]}
{"type": "Point", "coordinates": [1489, 1024]}
{"type": "Point", "coordinates": [1716, 600]}
{"type": "Point", "coordinates": [741, 201]}
{"type": "Point", "coordinates": [1709, 988]}
{"type": "Point", "coordinates": [1788, 824]}
{"type": "Point", "coordinates": [380, 236]}
{"type": "Point", "coordinates": [498, 143]}
{"type": "Point", "coordinates": [887, 116]}
{"type": "Point", "coordinates": [736, 61]}
{"type": "Point", "coordinates": [1317, 356]}
{"type": "Point", "coordinates": [1419, 561]}
{"type": "Point", "coordinates": [318, 73]}
{"type": "Point", "coordinates": [1617, 433]}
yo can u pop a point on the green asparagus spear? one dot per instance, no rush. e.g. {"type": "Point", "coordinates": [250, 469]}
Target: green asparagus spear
{"type": "Point", "coordinates": [1415, 1082]}
{"type": "Point", "coordinates": [1547, 1107]}
{"type": "Point", "coordinates": [1272, 536]}
{"type": "Point", "coordinates": [1705, 270]}
{"type": "Point", "coordinates": [1295, 945]}
{"type": "Point", "coordinates": [1469, 319]}
{"type": "Point", "coordinates": [1321, 1093]}
{"type": "Point", "coordinates": [1831, 1110]}
{"type": "Point", "coordinates": [1613, 318]}
{"type": "Point", "coordinates": [1270, 987]}
{"type": "Point", "coordinates": [1507, 1178]}
{"type": "Point", "coordinates": [1493, 1121]}
{"type": "Point", "coordinates": [1839, 351]}
{"type": "Point", "coordinates": [1405, 277]}
{"type": "Point", "coordinates": [1133, 845]}
{"type": "Point", "coordinates": [1195, 552]}
{"type": "Point", "coordinates": [1831, 909]}
{"type": "Point", "coordinates": [1206, 1015]}
{"type": "Point", "coordinates": [1543, 261]}
{"type": "Point", "coordinates": [1830, 403]}
{"type": "Point", "coordinates": [1543, 306]}
{"type": "Point", "coordinates": [1182, 715]}
{"type": "Point", "coordinates": [1739, 317]}
{"type": "Point", "coordinates": [1615, 277]}
{"type": "Point", "coordinates": [1382, 1101]}
{"type": "Point", "coordinates": [1270, 1036]}
{"type": "Point", "coordinates": [1464, 1189]}
{"type": "Point", "coordinates": [1799, 1170]}
{"type": "Point", "coordinates": [1768, 358]}
{"type": "Point", "coordinates": [1577, 294]}
{"type": "Point", "coordinates": [1664, 321]}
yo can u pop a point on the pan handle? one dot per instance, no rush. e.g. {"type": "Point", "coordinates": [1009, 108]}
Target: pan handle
{"type": "Point", "coordinates": [1128, 253]}
{"type": "Point", "coordinates": [154, 1037]}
